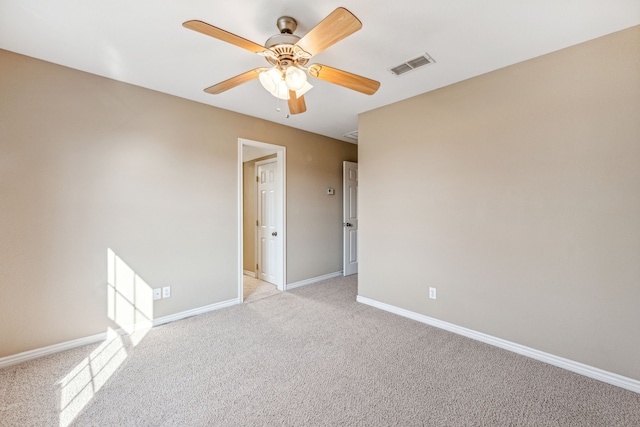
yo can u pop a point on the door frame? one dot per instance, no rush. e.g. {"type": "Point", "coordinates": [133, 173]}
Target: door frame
{"type": "Point", "coordinates": [281, 166]}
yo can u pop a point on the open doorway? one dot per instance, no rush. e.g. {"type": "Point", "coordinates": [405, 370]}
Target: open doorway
{"type": "Point", "coordinates": [261, 208]}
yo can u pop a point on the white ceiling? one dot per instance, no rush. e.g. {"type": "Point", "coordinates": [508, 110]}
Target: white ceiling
{"type": "Point", "coordinates": [142, 42]}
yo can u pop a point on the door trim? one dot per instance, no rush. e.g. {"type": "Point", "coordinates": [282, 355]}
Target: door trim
{"type": "Point", "coordinates": [281, 156]}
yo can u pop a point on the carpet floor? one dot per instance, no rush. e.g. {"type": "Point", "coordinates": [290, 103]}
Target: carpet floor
{"type": "Point", "coordinates": [309, 357]}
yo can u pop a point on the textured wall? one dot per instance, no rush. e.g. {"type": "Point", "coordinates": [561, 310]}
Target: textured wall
{"type": "Point", "coordinates": [88, 164]}
{"type": "Point", "coordinates": [515, 194]}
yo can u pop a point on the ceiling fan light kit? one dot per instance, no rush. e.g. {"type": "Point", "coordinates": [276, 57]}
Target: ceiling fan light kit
{"type": "Point", "coordinates": [288, 56]}
{"type": "Point", "coordinates": [277, 85]}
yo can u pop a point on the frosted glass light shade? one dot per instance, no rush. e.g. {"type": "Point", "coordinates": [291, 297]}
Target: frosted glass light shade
{"type": "Point", "coordinates": [267, 82]}
{"type": "Point", "coordinates": [282, 91]}
{"type": "Point", "coordinates": [270, 79]}
{"type": "Point", "coordinates": [306, 88]}
{"type": "Point", "coordinates": [295, 78]}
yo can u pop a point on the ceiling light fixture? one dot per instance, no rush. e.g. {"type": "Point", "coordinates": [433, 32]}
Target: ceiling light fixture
{"type": "Point", "coordinates": [278, 83]}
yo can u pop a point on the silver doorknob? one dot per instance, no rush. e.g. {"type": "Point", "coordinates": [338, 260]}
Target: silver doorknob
{"type": "Point", "coordinates": [347, 224]}
{"type": "Point", "coordinates": [274, 234]}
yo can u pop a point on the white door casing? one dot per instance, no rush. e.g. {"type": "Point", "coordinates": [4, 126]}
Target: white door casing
{"type": "Point", "coordinates": [267, 231]}
{"type": "Point", "coordinates": [350, 218]}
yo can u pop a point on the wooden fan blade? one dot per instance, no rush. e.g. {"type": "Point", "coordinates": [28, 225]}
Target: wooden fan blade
{"type": "Point", "coordinates": [234, 81]}
{"type": "Point", "coordinates": [339, 24]}
{"type": "Point", "coordinates": [344, 79]}
{"type": "Point", "coordinates": [220, 34]}
{"type": "Point", "coordinates": [296, 105]}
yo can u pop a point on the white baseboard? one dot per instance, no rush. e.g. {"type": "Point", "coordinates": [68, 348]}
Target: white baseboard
{"type": "Point", "coordinates": [97, 338]}
{"type": "Point", "coordinates": [313, 280]}
{"type": "Point", "coordinates": [249, 273]}
{"type": "Point", "coordinates": [194, 312]}
{"type": "Point", "coordinates": [570, 365]}
{"type": "Point", "coordinates": [52, 349]}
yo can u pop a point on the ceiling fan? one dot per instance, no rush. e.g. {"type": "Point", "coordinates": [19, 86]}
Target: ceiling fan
{"type": "Point", "coordinates": [289, 55]}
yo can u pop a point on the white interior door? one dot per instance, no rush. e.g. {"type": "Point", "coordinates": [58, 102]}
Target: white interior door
{"type": "Point", "coordinates": [350, 218]}
{"type": "Point", "coordinates": [267, 223]}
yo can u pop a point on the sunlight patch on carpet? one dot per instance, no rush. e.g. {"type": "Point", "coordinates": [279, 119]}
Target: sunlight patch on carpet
{"type": "Point", "coordinates": [87, 378]}
{"type": "Point", "coordinates": [130, 307]}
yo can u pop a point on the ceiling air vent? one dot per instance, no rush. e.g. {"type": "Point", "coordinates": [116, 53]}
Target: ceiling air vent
{"type": "Point", "coordinates": [412, 64]}
{"type": "Point", "coordinates": [352, 135]}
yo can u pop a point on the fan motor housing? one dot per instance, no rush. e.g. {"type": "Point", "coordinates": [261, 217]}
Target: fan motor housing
{"type": "Point", "coordinates": [283, 45]}
{"type": "Point", "coordinates": [286, 25]}
{"type": "Point", "coordinates": [281, 39]}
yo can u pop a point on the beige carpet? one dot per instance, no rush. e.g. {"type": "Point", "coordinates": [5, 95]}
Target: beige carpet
{"type": "Point", "coordinates": [309, 357]}
{"type": "Point", "coordinates": [254, 289]}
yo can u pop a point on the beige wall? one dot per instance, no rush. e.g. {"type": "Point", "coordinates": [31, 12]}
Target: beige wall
{"type": "Point", "coordinates": [89, 164]}
{"type": "Point", "coordinates": [517, 195]}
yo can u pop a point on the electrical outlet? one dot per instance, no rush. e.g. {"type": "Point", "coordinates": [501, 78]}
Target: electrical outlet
{"type": "Point", "coordinates": [157, 294]}
{"type": "Point", "coordinates": [166, 292]}
{"type": "Point", "coordinates": [432, 293]}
